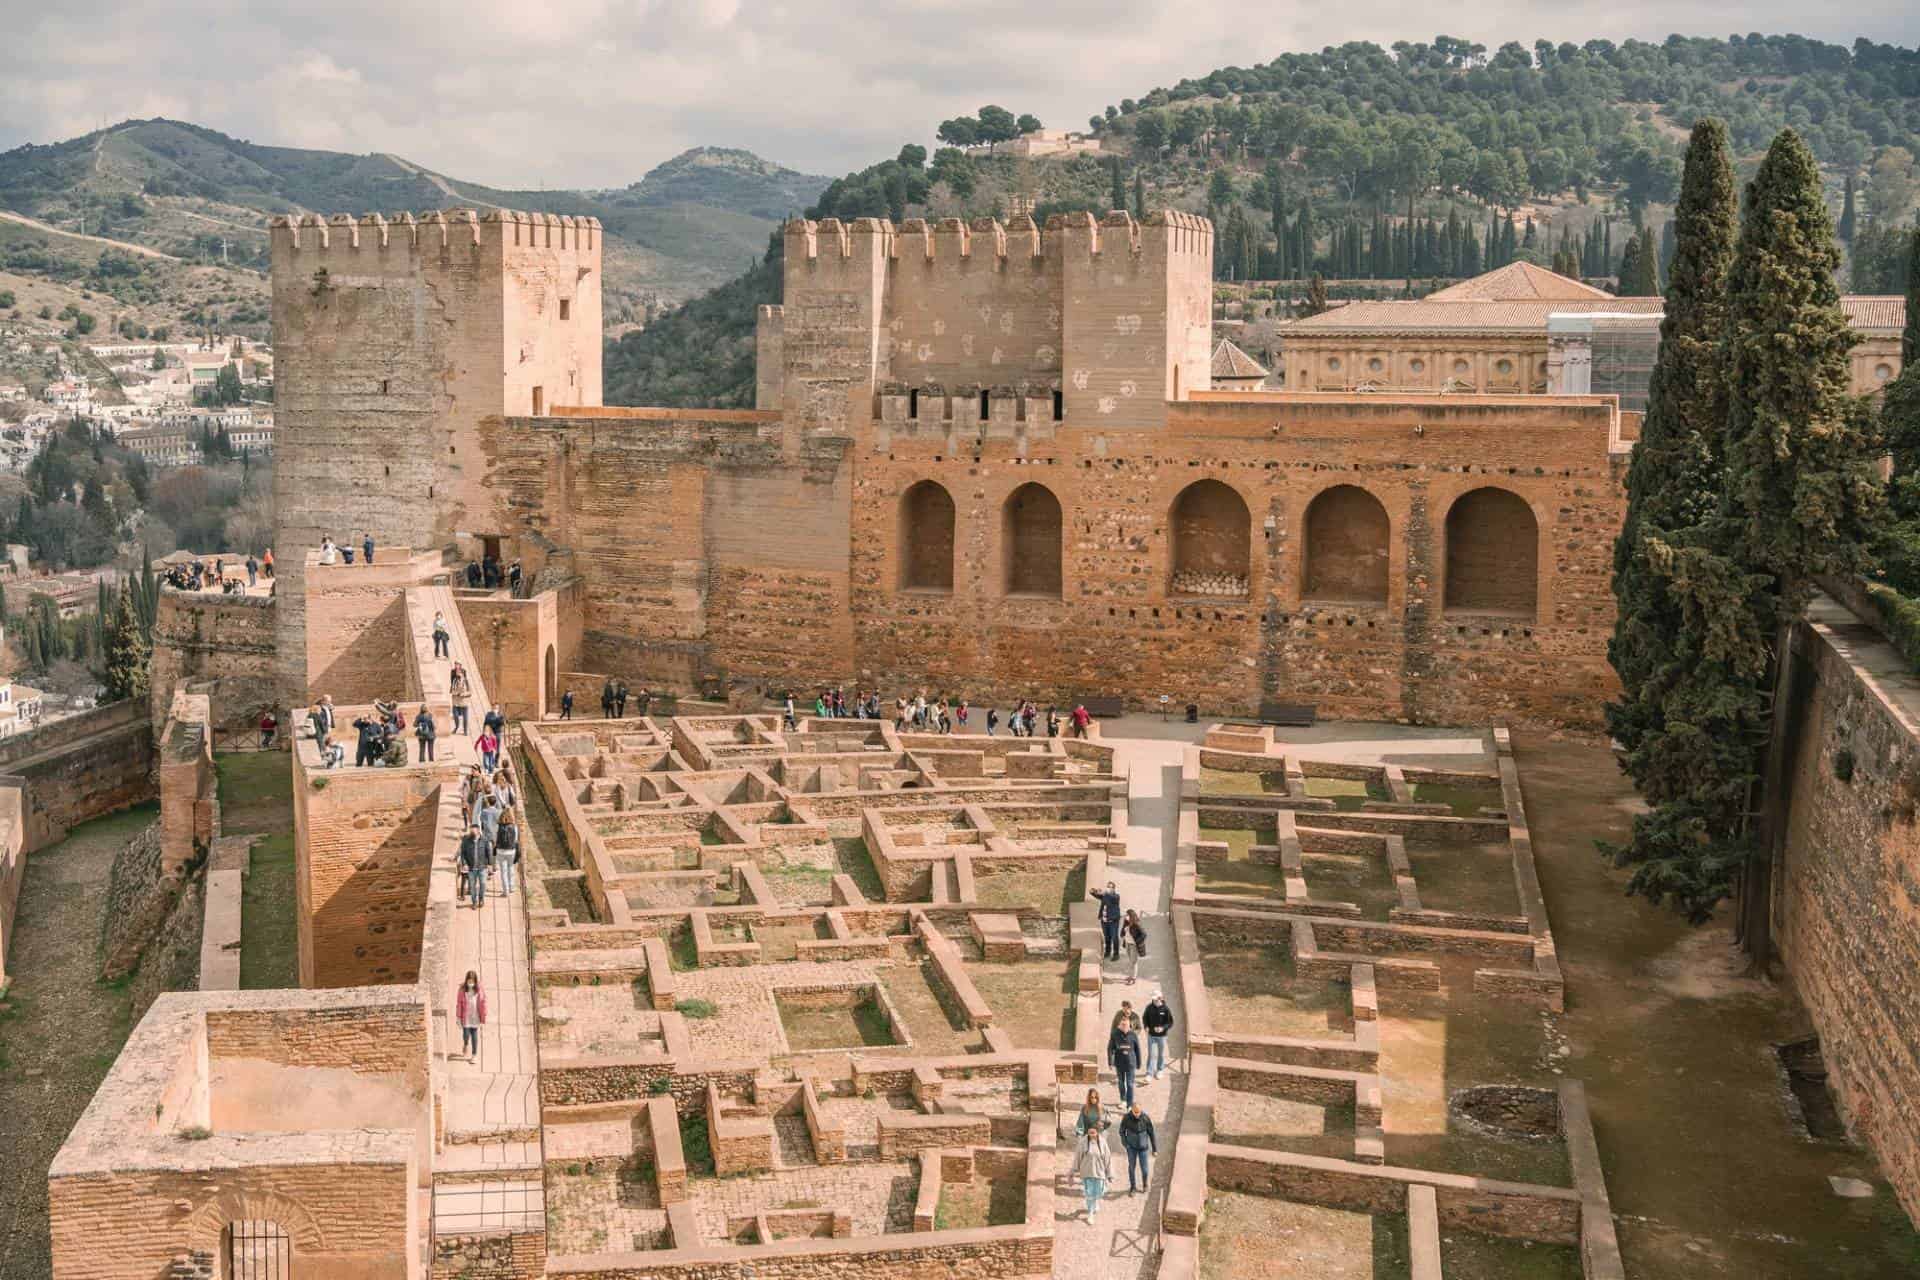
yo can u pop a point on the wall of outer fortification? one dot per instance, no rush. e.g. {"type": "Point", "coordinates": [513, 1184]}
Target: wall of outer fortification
{"type": "Point", "coordinates": [1845, 915]}
{"type": "Point", "coordinates": [364, 847]}
{"type": "Point", "coordinates": [521, 646]}
{"type": "Point", "coordinates": [391, 342]}
{"type": "Point", "coordinates": [79, 768]}
{"type": "Point", "coordinates": [769, 360]}
{"type": "Point", "coordinates": [975, 305]}
{"type": "Point", "coordinates": [1119, 627]}
{"type": "Point", "coordinates": [224, 645]}
{"type": "Point", "coordinates": [1139, 316]}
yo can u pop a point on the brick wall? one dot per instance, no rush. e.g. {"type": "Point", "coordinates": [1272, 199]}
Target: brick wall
{"type": "Point", "coordinates": [364, 846]}
{"type": "Point", "coordinates": [1845, 910]}
{"type": "Point", "coordinates": [80, 768]}
{"type": "Point", "coordinates": [224, 645]}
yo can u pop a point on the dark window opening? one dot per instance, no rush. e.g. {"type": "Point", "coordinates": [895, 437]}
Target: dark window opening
{"type": "Point", "coordinates": [566, 309]}
{"type": "Point", "coordinates": [913, 405]}
{"type": "Point", "coordinates": [983, 406]}
{"type": "Point", "coordinates": [1059, 406]}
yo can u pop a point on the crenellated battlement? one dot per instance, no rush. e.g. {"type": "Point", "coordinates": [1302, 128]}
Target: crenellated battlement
{"type": "Point", "coordinates": [438, 231]}
{"type": "Point", "coordinates": [1166, 232]}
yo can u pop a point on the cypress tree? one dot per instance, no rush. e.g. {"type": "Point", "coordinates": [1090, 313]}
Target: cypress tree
{"type": "Point", "coordinates": [128, 651]}
{"type": "Point", "coordinates": [1847, 214]}
{"type": "Point", "coordinates": [1797, 500]}
{"type": "Point", "coordinates": [1118, 197]}
{"type": "Point", "coordinates": [1674, 480]}
{"type": "Point", "coordinates": [1139, 195]}
{"type": "Point", "coordinates": [1640, 269]}
{"type": "Point", "coordinates": [1899, 549]}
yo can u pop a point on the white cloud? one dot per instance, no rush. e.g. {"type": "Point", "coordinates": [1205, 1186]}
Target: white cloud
{"type": "Point", "coordinates": [519, 94]}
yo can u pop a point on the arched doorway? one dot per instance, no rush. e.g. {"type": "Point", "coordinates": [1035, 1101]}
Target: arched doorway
{"type": "Point", "coordinates": [1212, 533]}
{"type": "Point", "coordinates": [1345, 547]}
{"type": "Point", "coordinates": [926, 538]}
{"type": "Point", "coordinates": [1493, 554]}
{"type": "Point", "coordinates": [1030, 542]}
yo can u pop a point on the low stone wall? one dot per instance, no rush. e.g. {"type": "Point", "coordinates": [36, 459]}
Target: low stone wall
{"type": "Point", "coordinates": [224, 646]}
{"type": "Point", "coordinates": [80, 768]}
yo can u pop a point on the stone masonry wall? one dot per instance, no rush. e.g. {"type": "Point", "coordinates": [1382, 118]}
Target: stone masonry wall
{"type": "Point", "coordinates": [80, 768]}
{"type": "Point", "coordinates": [223, 645]}
{"type": "Point", "coordinates": [364, 846]}
{"type": "Point", "coordinates": [1847, 887]}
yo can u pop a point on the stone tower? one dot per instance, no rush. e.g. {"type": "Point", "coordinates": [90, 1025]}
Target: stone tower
{"type": "Point", "coordinates": [394, 342]}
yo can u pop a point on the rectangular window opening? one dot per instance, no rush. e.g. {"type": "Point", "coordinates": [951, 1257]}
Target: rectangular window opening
{"type": "Point", "coordinates": [566, 309]}
{"type": "Point", "coordinates": [1059, 406]}
{"type": "Point", "coordinates": [539, 401]}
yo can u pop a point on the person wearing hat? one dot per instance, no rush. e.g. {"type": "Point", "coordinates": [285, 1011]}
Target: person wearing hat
{"type": "Point", "coordinates": [1157, 1018]}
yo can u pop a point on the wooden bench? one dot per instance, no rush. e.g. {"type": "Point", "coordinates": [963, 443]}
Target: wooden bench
{"type": "Point", "coordinates": [1290, 714]}
{"type": "Point", "coordinates": [1103, 708]}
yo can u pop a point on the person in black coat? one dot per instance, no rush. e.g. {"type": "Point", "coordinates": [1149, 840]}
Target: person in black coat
{"type": "Point", "coordinates": [1137, 1136]}
{"type": "Point", "coordinates": [1123, 1054]}
{"type": "Point", "coordinates": [1157, 1018]}
{"type": "Point", "coordinates": [426, 731]}
{"type": "Point", "coordinates": [1109, 900]}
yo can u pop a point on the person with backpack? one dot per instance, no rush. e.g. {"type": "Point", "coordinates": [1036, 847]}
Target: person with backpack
{"type": "Point", "coordinates": [1138, 1140]}
{"type": "Point", "coordinates": [426, 731]}
{"type": "Point", "coordinates": [506, 850]}
{"type": "Point", "coordinates": [1157, 1018]}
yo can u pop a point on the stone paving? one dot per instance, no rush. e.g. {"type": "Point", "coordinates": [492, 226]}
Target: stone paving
{"type": "Point", "coordinates": [879, 1196]}
{"type": "Point", "coordinates": [1120, 1244]}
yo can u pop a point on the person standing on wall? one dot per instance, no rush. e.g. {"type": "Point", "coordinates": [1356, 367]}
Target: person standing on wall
{"type": "Point", "coordinates": [1141, 1145]}
{"type": "Point", "coordinates": [1081, 719]}
{"type": "Point", "coordinates": [366, 546]}
{"type": "Point", "coordinates": [457, 694]}
{"type": "Point", "coordinates": [253, 571]}
{"type": "Point", "coordinates": [266, 562]}
{"type": "Point", "coordinates": [1133, 935]}
{"type": "Point", "coordinates": [489, 748]}
{"type": "Point", "coordinates": [470, 1011]}
{"type": "Point", "coordinates": [442, 638]}
{"type": "Point", "coordinates": [1109, 900]}
{"type": "Point", "coordinates": [566, 705]}
{"type": "Point", "coordinates": [506, 850]}
{"type": "Point", "coordinates": [619, 699]}
{"type": "Point", "coordinates": [426, 731]}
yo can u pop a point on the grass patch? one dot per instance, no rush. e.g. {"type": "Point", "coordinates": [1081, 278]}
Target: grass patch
{"type": "Point", "coordinates": [696, 1145]}
{"type": "Point", "coordinates": [859, 1024]}
{"type": "Point", "coordinates": [852, 859]}
{"type": "Point", "coordinates": [269, 930]}
{"type": "Point", "coordinates": [694, 1007]}
{"type": "Point", "coordinates": [682, 955]}
{"type": "Point", "coordinates": [981, 1203]}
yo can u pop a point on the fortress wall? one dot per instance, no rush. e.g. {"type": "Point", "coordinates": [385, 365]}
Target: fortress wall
{"type": "Point", "coordinates": [364, 846]}
{"type": "Point", "coordinates": [224, 646]}
{"type": "Point", "coordinates": [1847, 886]}
{"type": "Point", "coordinates": [973, 305]}
{"type": "Point", "coordinates": [79, 768]}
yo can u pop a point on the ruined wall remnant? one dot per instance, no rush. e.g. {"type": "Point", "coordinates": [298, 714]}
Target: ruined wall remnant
{"type": "Point", "coordinates": [222, 645]}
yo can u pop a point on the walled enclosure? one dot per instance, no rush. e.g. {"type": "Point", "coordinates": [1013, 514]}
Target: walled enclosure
{"type": "Point", "coordinates": [222, 646]}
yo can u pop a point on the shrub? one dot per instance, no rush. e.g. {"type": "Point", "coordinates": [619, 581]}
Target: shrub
{"type": "Point", "coordinates": [1843, 764]}
{"type": "Point", "coordinates": [1899, 619]}
{"type": "Point", "coordinates": [695, 1008]}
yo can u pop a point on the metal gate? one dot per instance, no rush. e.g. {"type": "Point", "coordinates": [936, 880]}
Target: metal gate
{"type": "Point", "coordinates": [258, 1249]}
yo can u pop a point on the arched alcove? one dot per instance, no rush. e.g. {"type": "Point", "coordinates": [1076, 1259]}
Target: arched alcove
{"type": "Point", "coordinates": [1030, 526]}
{"type": "Point", "coordinates": [926, 538]}
{"type": "Point", "coordinates": [1345, 547]}
{"type": "Point", "coordinates": [1212, 533]}
{"type": "Point", "coordinates": [1493, 554]}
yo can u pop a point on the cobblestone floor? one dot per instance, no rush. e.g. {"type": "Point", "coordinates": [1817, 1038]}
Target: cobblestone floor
{"type": "Point", "coordinates": [601, 1211]}
{"type": "Point", "coordinates": [879, 1196]}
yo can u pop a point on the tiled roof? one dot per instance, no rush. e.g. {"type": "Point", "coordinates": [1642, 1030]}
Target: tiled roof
{"type": "Point", "coordinates": [1230, 361]}
{"type": "Point", "coordinates": [1519, 282]}
{"type": "Point", "coordinates": [1513, 316]}
{"type": "Point", "coordinates": [1875, 311]}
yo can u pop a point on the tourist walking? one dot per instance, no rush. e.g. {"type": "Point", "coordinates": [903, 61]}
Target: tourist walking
{"type": "Point", "coordinates": [1081, 719]}
{"type": "Point", "coordinates": [1094, 1163]}
{"type": "Point", "coordinates": [442, 638]}
{"type": "Point", "coordinates": [993, 720]}
{"type": "Point", "coordinates": [1141, 1145]}
{"type": "Point", "coordinates": [470, 1011]}
{"type": "Point", "coordinates": [1133, 935]}
{"type": "Point", "coordinates": [253, 571]}
{"type": "Point", "coordinates": [1123, 1053]}
{"type": "Point", "coordinates": [566, 705]}
{"type": "Point", "coordinates": [266, 562]}
{"type": "Point", "coordinates": [1109, 899]}
{"type": "Point", "coordinates": [426, 731]}
{"type": "Point", "coordinates": [1157, 1018]}
{"type": "Point", "coordinates": [489, 747]}
{"type": "Point", "coordinates": [268, 727]}
{"type": "Point", "coordinates": [1088, 1117]}
{"type": "Point", "coordinates": [366, 546]}
{"type": "Point", "coordinates": [473, 865]}
{"type": "Point", "coordinates": [506, 851]}
{"type": "Point", "coordinates": [459, 690]}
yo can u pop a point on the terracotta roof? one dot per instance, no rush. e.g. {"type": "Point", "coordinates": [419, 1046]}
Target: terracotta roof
{"type": "Point", "coordinates": [1230, 361]}
{"type": "Point", "coordinates": [1875, 311]}
{"type": "Point", "coordinates": [1521, 316]}
{"type": "Point", "coordinates": [1518, 282]}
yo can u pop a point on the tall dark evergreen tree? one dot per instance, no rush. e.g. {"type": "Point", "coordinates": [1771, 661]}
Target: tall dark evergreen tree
{"type": "Point", "coordinates": [1899, 544]}
{"type": "Point", "coordinates": [1139, 195]}
{"type": "Point", "coordinates": [1640, 268]}
{"type": "Point", "coordinates": [1847, 214]}
{"type": "Point", "coordinates": [1797, 501]}
{"type": "Point", "coordinates": [1118, 197]}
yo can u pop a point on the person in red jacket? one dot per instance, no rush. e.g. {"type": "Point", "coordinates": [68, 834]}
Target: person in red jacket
{"type": "Point", "coordinates": [470, 1011]}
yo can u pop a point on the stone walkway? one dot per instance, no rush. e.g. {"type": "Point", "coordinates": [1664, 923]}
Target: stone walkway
{"type": "Point", "coordinates": [1120, 1246]}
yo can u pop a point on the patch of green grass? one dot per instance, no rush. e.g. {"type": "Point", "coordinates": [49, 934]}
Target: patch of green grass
{"type": "Point", "coordinates": [682, 955]}
{"type": "Point", "coordinates": [694, 1007]}
{"type": "Point", "coordinates": [852, 859]}
{"type": "Point", "coordinates": [696, 1145]}
{"type": "Point", "coordinates": [269, 929]}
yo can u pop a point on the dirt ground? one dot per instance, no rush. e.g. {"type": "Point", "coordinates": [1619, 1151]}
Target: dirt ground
{"type": "Point", "coordinates": [1708, 1178]}
{"type": "Point", "coordinates": [61, 1029]}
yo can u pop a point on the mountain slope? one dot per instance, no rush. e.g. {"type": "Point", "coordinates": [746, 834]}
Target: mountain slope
{"type": "Point", "coordinates": [194, 193]}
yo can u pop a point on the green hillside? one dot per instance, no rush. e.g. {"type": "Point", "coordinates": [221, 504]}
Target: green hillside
{"type": "Point", "coordinates": [203, 197]}
{"type": "Point", "coordinates": [1408, 166]}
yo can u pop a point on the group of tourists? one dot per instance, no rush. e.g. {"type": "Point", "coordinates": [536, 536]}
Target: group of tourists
{"type": "Point", "coordinates": [1093, 1163]}
{"type": "Point", "coordinates": [332, 552]}
{"type": "Point", "coordinates": [198, 575]}
{"type": "Point", "coordinates": [485, 574]}
{"type": "Point", "coordinates": [614, 697]}
{"type": "Point", "coordinates": [941, 714]}
{"type": "Point", "coordinates": [490, 850]}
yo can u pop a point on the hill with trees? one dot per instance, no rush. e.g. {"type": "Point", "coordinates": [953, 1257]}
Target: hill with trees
{"type": "Point", "coordinates": [1410, 166]}
{"type": "Point", "coordinates": [203, 199]}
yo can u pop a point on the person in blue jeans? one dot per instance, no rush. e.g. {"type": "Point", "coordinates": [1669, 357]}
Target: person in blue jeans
{"type": "Point", "coordinates": [1123, 1052]}
{"type": "Point", "coordinates": [1136, 1135]}
{"type": "Point", "coordinates": [473, 863]}
{"type": "Point", "coordinates": [1109, 900]}
{"type": "Point", "coordinates": [1157, 1018]}
{"type": "Point", "coordinates": [506, 850]}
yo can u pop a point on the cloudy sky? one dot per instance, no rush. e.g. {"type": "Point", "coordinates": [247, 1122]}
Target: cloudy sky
{"type": "Point", "coordinates": [591, 93]}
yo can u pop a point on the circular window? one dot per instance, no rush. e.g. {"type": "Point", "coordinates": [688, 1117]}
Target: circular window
{"type": "Point", "coordinates": [1418, 365]}
{"type": "Point", "coordinates": [1375, 365]}
{"type": "Point", "coordinates": [1882, 372]}
{"type": "Point", "coordinates": [1459, 366]}
{"type": "Point", "coordinates": [1333, 362]}
{"type": "Point", "coordinates": [1503, 367]}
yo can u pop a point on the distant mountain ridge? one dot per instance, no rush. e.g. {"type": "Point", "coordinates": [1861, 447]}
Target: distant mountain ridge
{"type": "Point", "coordinates": [688, 225]}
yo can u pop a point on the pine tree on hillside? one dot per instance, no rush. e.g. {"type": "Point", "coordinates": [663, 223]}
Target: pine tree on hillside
{"type": "Point", "coordinates": [1674, 480]}
{"type": "Point", "coordinates": [1640, 268]}
{"type": "Point", "coordinates": [1899, 546]}
{"type": "Point", "coordinates": [1797, 501]}
{"type": "Point", "coordinates": [128, 652]}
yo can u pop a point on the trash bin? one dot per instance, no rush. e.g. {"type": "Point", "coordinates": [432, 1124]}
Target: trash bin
{"type": "Point", "coordinates": [1193, 713]}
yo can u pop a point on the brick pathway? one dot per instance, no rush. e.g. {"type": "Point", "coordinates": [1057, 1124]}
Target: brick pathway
{"type": "Point", "coordinates": [1120, 1246]}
